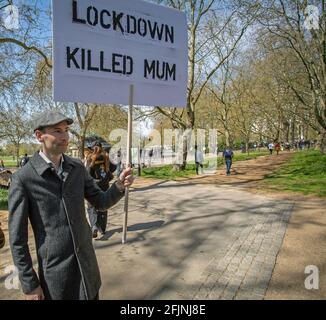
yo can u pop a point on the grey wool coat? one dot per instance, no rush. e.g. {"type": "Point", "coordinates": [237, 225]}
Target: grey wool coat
{"type": "Point", "coordinates": [67, 265]}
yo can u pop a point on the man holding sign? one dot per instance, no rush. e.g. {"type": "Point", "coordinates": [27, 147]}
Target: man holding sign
{"type": "Point", "coordinates": [127, 52]}
{"type": "Point", "coordinates": [49, 191]}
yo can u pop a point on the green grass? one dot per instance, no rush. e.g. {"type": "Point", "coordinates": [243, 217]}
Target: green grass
{"type": "Point", "coordinates": [8, 161]}
{"type": "Point", "coordinates": [305, 173]}
{"type": "Point", "coordinates": [252, 155]}
{"type": "Point", "coordinates": [3, 199]}
{"type": "Point", "coordinates": [168, 173]}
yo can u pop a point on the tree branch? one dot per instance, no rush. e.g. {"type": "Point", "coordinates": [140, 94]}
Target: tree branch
{"type": "Point", "coordinates": [27, 48]}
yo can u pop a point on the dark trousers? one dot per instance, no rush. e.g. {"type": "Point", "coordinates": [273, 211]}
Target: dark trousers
{"type": "Point", "coordinates": [228, 163]}
{"type": "Point", "coordinates": [197, 166]}
{"type": "Point", "coordinates": [97, 219]}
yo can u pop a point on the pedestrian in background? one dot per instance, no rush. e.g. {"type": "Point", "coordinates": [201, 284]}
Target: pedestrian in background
{"type": "Point", "coordinates": [228, 155]}
{"type": "Point", "coordinates": [119, 162]}
{"type": "Point", "coordinates": [150, 155]}
{"type": "Point", "coordinates": [24, 160]}
{"type": "Point", "coordinates": [271, 147]}
{"type": "Point", "coordinates": [199, 159]}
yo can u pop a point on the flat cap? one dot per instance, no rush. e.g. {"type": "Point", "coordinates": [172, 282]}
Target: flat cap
{"type": "Point", "coordinates": [49, 118]}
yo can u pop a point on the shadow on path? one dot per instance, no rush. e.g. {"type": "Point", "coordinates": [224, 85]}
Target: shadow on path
{"type": "Point", "coordinates": [136, 227]}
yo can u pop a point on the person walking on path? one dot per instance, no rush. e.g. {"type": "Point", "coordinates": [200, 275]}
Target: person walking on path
{"type": "Point", "coordinates": [199, 159]}
{"type": "Point", "coordinates": [24, 160]}
{"type": "Point", "coordinates": [119, 162]}
{"type": "Point", "coordinates": [271, 147]}
{"type": "Point", "coordinates": [150, 155]}
{"type": "Point", "coordinates": [49, 191]}
{"type": "Point", "coordinates": [228, 155]}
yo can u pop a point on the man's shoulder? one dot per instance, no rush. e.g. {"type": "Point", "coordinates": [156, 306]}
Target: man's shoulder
{"type": "Point", "coordinates": [22, 172]}
{"type": "Point", "coordinates": [75, 162]}
{"type": "Point", "coordinates": [227, 152]}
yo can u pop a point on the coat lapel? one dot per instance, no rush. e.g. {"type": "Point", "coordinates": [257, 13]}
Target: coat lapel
{"type": "Point", "coordinates": [68, 165]}
{"type": "Point", "coordinates": [39, 164]}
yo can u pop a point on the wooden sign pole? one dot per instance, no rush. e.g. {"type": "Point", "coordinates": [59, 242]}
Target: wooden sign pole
{"type": "Point", "coordinates": [128, 161]}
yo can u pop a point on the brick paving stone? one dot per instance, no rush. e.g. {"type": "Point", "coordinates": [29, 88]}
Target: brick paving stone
{"type": "Point", "coordinates": [216, 293]}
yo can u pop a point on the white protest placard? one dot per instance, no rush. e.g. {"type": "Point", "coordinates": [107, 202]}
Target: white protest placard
{"type": "Point", "coordinates": [101, 47]}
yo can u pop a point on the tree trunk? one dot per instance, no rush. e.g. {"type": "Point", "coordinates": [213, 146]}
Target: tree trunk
{"type": "Point", "coordinates": [81, 146]}
{"type": "Point", "coordinates": [286, 131]}
{"type": "Point", "coordinates": [17, 153]}
{"type": "Point", "coordinates": [277, 136]}
{"type": "Point", "coordinates": [186, 135]}
{"type": "Point", "coordinates": [247, 147]}
{"type": "Point", "coordinates": [321, 141]}
{"type": "Point", "coordinates": [305, 131]}
{"type": "Point", "coordinates": [186, 139]}
{"type": "Point", "coordinates": [227, 138]}
{"type": "Point", "coordinates": [184, 152]}
{"type": "Point", "coordinates": [293, 131]}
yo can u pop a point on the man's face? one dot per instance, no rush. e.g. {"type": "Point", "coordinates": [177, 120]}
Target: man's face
{"type": "Point", "coordinates": [55, 138]}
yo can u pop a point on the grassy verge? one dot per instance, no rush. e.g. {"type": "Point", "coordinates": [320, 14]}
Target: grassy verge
{"type": "Point", "coordinates": [168, 173]}
{"type": "Point", "coordinates": [8, 161]}
{"type": "Point", "coordinates": [3, 199]}
{"type": "Point", "coordinates": [305, 173]}
{"type": "Point", "coordinates": [245, 156]}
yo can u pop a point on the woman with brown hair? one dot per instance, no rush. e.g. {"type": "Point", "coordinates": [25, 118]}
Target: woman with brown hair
{"type": "Point", "coordinates": [98, 165]}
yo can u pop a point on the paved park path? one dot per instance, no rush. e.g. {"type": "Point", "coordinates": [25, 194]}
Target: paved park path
{"type": "Point", "coordinates": [192, 242]}
{"type": "Point", "coordinates": [207, 237]}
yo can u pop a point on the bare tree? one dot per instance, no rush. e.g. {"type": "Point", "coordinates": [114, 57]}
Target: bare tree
{"type": "Point", "coordinates": [289, 22]}
{"type": "Point", "coordinates": [14, 127]}
{"type": "Point", "coordinates": [84, 114]}
{"type": "Point", "coordinates": [224, 103]}
{"type": "Point", "coordinates": [213, 37]}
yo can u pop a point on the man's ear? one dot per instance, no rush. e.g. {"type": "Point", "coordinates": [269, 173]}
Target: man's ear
{"type": "Point", "coordinates": [39, 135]}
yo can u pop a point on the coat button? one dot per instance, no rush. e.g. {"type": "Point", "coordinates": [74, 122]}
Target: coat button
{"type": "Point", "coordinates": [77, 250]}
